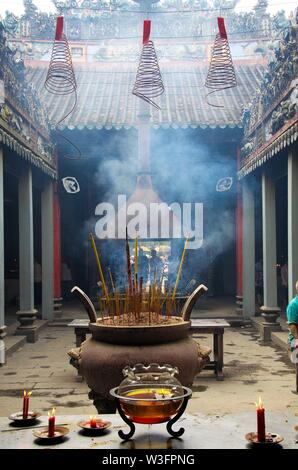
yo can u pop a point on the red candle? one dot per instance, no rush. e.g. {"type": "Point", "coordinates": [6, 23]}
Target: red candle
{"type": "Point", "coordinates": [51, 431]}
{"type": "Point", "coordinates": [26, 404]}
{"type": "Point", "coordinates": [93, 423]}
{"type": "Point", "coordinates": [261, 421]}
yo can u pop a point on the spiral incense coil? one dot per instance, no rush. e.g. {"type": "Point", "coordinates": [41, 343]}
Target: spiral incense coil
{"type": "Point", "coordinates": [60, 79]}
{"type": "Point", "coordinates": [221, 73]}
{"type": "Point", "coordinates": [148, 83]}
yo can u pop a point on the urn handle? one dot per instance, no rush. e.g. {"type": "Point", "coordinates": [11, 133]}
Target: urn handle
{"type": "Point", "coordinates": [86, 301]}
{"type": "Point", "coordinates": [189, 304]}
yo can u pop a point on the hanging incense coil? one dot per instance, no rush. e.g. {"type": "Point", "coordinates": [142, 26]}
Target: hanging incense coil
{"type": "Point", "coordinates": [148, 82]}
{"type": "Point", "coordinates": [60, 79]}
{"type": "Point", "coordinates": [221, 73]}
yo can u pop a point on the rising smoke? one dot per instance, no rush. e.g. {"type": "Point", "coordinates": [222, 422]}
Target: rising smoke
{"type": "Point", "coordinates": [183, 170]}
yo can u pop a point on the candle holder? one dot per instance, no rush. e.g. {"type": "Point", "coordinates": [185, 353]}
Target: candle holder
{"type": "Point", "coordinates": [101, 426]}
{"type": "Point", "coordinates": [18, 419]}
{"type": "Point", "coordinates": [270, 438]}
{"type": "Point", "coordinates": [59, 433]}
{"type": "Point", "coordinates": [151, 395]}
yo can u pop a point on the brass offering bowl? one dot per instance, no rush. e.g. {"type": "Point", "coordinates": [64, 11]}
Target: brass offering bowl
{"type": "Point", "coordinates": [151, 405]}
{"type": "Point", "coordinates": [151, 395]}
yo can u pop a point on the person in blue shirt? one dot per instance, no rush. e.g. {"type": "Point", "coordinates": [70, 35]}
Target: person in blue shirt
{"type": "Point", "coordinates": [292, 318]}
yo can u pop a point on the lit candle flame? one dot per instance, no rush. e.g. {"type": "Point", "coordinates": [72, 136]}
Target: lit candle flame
{"type": "Point", "coordinates": [52, 412]}
{"type": "Point", "coordinates": [93, 422]}
{"type": "Point", "coordinates": [260, 404]}
{"type": "Point", "coordinates": [27, 394]}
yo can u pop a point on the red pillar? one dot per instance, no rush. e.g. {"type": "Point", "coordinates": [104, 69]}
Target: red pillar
{"type": "Point", "coordinates": [239, 240]}
{"type": "Point", "coordinates": [57, 254]}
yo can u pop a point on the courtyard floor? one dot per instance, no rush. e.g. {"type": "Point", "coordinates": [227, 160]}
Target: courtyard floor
{"type": "Point", "coordinates": [251, 369]}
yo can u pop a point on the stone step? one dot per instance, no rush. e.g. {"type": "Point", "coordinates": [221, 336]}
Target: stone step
{"type": "Point", "coordinates": [280, 339]}
{"type": "Point", "coordinates": [13, 343]}
{"type": "Point", "coordinates": [41, 324]}
{"type": "Point", "coordinates": [60, 322]}
{"type": "Point", "coordinates": [264, 329]}
{"type": "Point", "coordinates": [12, 328]}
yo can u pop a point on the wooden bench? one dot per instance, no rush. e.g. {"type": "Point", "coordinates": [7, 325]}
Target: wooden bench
{"type": "Point", "coordinates": [215, 327]}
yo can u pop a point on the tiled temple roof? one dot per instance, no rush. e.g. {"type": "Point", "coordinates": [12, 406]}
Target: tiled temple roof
{"type": "Point", "coordinates": [105, 99]}
{"type": "Point", "coordinates": [285, 137]}
{"type": "Point", "coordinates": [24, 126]}
{"type": "Point", "coordinates": [270, 122]}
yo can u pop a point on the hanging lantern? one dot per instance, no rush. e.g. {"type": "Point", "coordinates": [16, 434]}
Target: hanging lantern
{"type": "Point", "coordinates": [221, 73]}
{"type": "Point", "coordinates": [60, 79]}
{"type": "Point", "coordinates": [148, 82]}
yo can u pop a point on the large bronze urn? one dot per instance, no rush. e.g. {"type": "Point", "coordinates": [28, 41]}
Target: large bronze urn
{"type": "Point", "coordinates": [112, 347]}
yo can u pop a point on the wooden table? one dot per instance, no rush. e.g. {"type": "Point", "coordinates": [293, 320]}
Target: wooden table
{"type": "Point", "coordinates": [216, 327]}
{"type": "Point", "coordinates": [81, 328]}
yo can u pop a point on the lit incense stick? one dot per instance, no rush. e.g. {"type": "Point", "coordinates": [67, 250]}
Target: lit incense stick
{"type": "Point", "coordinates": [136, 259]}
{"type": "Point", "coordinates": [111, 279]}
{"type": "Point", "coordinates": [179, 270]}
{"type": "Point", "coordinates": [128, 264]}
{"type": "Point", "coordinates": [99, 266]}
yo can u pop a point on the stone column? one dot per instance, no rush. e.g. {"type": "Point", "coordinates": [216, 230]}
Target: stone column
{"type": "Point", "coordinates": [239, 254]}
{"type": "Point", "coordinates": [270, 308]}
{"type": "Point", "coordinates": [57, 255]}
{"type": "Point", "coordinates": [292, 223]}
{"type": "Point", "coordinates": [2, 280]}
{"type": "Point", "coordinates": [27, 313]}
{"type": "Point", "coordinates": [47, 251]}
{"type": "Point", "coordinates": [248, 197]}
{"type": "Point", "coordinates": [239, 245]}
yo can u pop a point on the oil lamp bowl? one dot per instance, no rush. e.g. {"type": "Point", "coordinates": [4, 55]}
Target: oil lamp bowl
{"type": "Point", "coordinates": [18, 418]}
{"type": "Point", "coordinates": [141, 406]}
{"type": "Point", "coordinates": [43, 434]}
{"type": "Point", "coordinates": [150, 394]}
{"type": "Point", "coordinates": [270, 438]}
{"type": "Point", "coordinates": [101, 426]}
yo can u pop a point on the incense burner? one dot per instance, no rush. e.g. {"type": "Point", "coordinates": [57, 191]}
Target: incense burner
{"type": "Point", "coordinates": [165, 331]}
{"type": "Point", "coordinates": [150, 395]}
{"type": "Point", "coordinates": [102, 358]}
